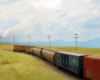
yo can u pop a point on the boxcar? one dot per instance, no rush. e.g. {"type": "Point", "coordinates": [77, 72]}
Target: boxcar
{"type": "Point", "coordinates": [92, 67]}
{"type": "Point", "coordinates": [62, 60]}
{"type": "Point", "coordinates": [70, 61]}
{"type": "Point", "coordinates": [49, 54]}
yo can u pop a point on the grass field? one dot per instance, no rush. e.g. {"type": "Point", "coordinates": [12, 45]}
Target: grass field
{"type": "Point", "coordinates": [80, 50]}
{"type": "Point", "coordinates": [17, 66]}
{"type": "Point", "coordinates": [6, 46]}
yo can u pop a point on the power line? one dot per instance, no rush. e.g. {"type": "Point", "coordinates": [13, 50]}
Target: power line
{"type": "Point", "coordinates": [14, 39]}
{"type": "Point", "coordinates": [76, 41]}
{"type": "Point", "coordinates": [29, 39]}
{"type": "Point", "coordinates": [49, 40]}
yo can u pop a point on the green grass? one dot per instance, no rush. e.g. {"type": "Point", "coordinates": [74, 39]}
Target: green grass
{"type": "Point", "coordinates": [6, 46]}
{"type": "Point", "coordinates": [80, 50]}
{"type": "Point", "coordinates": [17, 66]}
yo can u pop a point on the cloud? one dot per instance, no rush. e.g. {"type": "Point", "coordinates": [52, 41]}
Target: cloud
{"type": "Point", "coordinates": [59, 18]}
{"type": "Point", "coordinates": [4, 0]}
{"type": "Point", "coordinates": [7, 32]}
{"type": "Point", "coordinates": [0, 32]}
{"type": "Point", "coordinates": [89, 34]}
{"type": "Point", "coordinates": [74, 30]}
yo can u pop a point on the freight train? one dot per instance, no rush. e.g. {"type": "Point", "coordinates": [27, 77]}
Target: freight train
{"type": "Point", "coordinates": [83, 65]}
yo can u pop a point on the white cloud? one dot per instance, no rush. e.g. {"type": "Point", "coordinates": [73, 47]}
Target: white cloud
{"type": "Point", "coordinates": [0, 32]}
{"type": "Point", "coordinates": [89, 34]}
{"type": "Point", "coordinates": [53, 17]}
{"type": "Point", "coordinates": [74, 30]}
{"type": "Point", "coordinates": [4, 0]}
{"type": "Point", "coordinates": [7, 32]}
{"type": "Point", "coordinates": [53, 3]}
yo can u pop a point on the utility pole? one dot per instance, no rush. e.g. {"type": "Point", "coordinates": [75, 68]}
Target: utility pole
{"type": "Point", "coordinates": [49, 40]}
{"type": "Point", "coordinates": [29, 39]}
{"type": "Point", "coordinates": [14, 39]}
{"type": "Point", "coordinates": [76, 41]}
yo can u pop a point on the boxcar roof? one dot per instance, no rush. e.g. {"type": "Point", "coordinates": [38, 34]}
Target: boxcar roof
{"type": "Point", "coordinates": [93, 57]}
{"type": "Point", "coordinates": [69, 53]}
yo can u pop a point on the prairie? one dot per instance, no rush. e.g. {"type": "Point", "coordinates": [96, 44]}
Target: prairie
{"type": "Point", "coordinates": [18, 66]}
{"type": "Point", "coordinates": [80, 50]}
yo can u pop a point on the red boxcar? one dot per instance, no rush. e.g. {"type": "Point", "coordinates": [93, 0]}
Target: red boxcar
{"type": "Point", "coordinates": [92, 67]}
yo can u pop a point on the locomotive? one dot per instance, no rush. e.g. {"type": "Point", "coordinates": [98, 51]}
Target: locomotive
{"type": "Point", "coordinates": [83, 65]}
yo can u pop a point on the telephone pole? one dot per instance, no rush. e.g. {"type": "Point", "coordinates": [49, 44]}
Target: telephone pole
{"type": "Point", "coordinates": [14, 39]}
{"type": "Point", "coordinates": [76, 41]}
{"type": "Point", "coordinates": [49, 40]}
{"type": "Point", "coordinates": [29, 39]}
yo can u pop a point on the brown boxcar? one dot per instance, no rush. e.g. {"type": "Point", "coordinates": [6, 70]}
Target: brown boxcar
{"type": "Point", "coordinates": [92, 67]}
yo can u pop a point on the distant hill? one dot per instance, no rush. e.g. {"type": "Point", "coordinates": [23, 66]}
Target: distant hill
{"type": "Point", "coordinates": [89, 44]}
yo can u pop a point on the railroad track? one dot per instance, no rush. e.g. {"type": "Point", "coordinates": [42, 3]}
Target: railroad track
{"type": "Point", "coordinates": [53, 67]}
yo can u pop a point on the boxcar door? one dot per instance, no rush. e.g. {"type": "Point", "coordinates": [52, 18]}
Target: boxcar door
{"type": "Point", "coordinates": [96, 70]}
{"type": "Point", "coordinates": [58, 59]}
{"type": "Point", "coordinates": [65, 61]}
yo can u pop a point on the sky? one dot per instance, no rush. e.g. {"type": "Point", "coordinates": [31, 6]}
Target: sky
{"type": "Point", "coordinates": [60, 19]}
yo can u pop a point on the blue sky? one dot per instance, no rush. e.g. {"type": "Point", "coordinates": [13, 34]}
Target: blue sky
{"type": "Point", "coordinates": [59, 18]}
